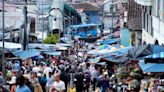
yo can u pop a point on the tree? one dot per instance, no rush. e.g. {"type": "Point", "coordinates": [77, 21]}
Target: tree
{"type": "Point", "coordinates": [51, 39]}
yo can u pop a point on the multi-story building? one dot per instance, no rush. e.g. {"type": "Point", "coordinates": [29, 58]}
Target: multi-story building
{"type": "Point", "coordinates": [130, 20]}
{"type": "Point", "coordinates": [90, 11]}
{"type": "Point", "coordinates": [110, 14]}
{"type": "Point", "coordinates": [153, 21]}
{"type": "Point", "coordinates": [134, 22]}
{"type": "Point", "coordinates": [14, 21]}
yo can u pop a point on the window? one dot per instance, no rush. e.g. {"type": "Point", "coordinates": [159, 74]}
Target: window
{"type": "Point", "coordinates": [146, 23]}
{"type": "Point", "coordinates": [161, 9]}
{"type": "Point", "coordinates": [149, 24]}
{"type": "Point", "coordinates": [156, 7]}
{"type": "Point", "coordinates": [143, 19]}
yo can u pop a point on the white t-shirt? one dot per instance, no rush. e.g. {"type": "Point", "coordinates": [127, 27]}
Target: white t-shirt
{"type": "Point", "coordinates": [59, 86]}
{"type": "Point", "coordinates": [47, 70]}
{"type": "Point", "coordinates": [36, 69]}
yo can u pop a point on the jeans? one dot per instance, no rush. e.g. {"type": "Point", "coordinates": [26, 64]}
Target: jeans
{"type": "Point", "coordinates": [103, 89]}
{"type": "Point", "coordinates": [94, 83]}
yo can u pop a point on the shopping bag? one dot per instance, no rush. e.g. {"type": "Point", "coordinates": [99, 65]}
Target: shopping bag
{"type": "Point", "coordinates": [97, 90]}
{"type": "Point", "coordinates": [71, 89]}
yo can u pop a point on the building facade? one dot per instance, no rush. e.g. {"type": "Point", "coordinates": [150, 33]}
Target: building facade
{"type": "Point", "coordinates": [110, 14]}
{"type": "Point", "coordinates": [134, 22]}
{"type": "Point", "coordinates": [91, 12]}
{"type": "Point", "coordinates": [153, 21]}
{"type": "Point", "coordinates": [14, 22]}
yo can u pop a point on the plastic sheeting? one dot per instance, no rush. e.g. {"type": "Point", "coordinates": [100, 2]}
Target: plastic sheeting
{"type": "Point", "coordinates": [26, 54]}
{"type": "Point", "coordinates": [151, 67]}
{"type": "Point", "coordinates": [111, 41]}
{"type": "Point", "coordinates": [53, 53]}
{"type": "Point", "coordinates": [10, 45]}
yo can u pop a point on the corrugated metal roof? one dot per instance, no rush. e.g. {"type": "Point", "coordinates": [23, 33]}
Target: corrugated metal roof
{"type": "Point", "coordinates": [86, 7]}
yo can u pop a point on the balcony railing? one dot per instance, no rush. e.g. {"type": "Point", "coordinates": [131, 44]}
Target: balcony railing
{"type": "Point", "coordinates": [144, 2]}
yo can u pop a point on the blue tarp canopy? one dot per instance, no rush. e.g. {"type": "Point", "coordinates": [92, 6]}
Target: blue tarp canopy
{"type": "Point", "coordinates": [116, 59]}
{"type": "Point", "coordinates": [38, 57]}
{"type": "Point", "coordinates": [122, 52]}
{"type": "Point", "coordinates": [101, 63]}
{"type": "Point", "coordinates": [111, 41]}
{"type": "Point", "coordinates": [95, 60]}
{"type": "Point", "coordinates": [137, 52]}
{"type": "Point", "coordinates": [42, 47]}
{"type": "Point", "coordinates": [118, 56]}
{"type": "Point", "coordinates": [10, 45]}
{"type": "Point", "coordinates": [83, 25]}
{"type": "Point", "coordinates": [53, 53]}
{"type": "Point", "coordinates": [26, 54]}
{"type": "Point", "coordinates": [151, 67]}
{"type": "Point", "coordinates": [156, 56]}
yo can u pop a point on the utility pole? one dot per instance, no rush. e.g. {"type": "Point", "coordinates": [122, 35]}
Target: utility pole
{"type": "Point", "coordinates": [112, 31]}
{"type": "Point", "coordinates": [3, 43]}
{"type": "Point", "coordinates": [42, 25]}
{"type": "Point", "coordinates": [25, 27]}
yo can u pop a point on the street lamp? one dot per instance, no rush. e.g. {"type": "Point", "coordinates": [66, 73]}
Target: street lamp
{"type": "Point", "coordinates": [51, 12]}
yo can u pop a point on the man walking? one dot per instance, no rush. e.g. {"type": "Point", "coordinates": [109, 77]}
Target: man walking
{"type": "Point", "coordinates": [58, 85]}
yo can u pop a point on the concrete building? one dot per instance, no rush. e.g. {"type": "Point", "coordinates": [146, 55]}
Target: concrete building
{"type": "Point", "coordinates": [91, 12]}
{"type": "Point", "coordinates": [134, 22]}
{"type": "Point", "coordinates": [14, 22]}
{"type": "Point", "coordinates": [110, 14]}
{"type": "Point", "coordinates": [131, 19]}
{"type": "Point", "coordinates": [62, 15]}
{"type": "Point", "coordinates": [153, 21]}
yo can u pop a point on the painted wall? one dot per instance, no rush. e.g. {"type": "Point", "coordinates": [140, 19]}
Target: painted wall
{"type": "Point", "coordinates": [146, 37]}
{"type": "Point", "coordinates": [125, 37]}
{"type": "Point", "coordinates": [158, 27]}
{"type": "Point", "coordinates": [93, 17]}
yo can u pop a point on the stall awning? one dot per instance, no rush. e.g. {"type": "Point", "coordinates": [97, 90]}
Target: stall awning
{"type": "Point", "coordinates": [64, 44]}
{"type": "Point", "coordinates": [116, 59]}
{"type": "Point", "coordinates": [111, 41]}
{"type": "Point", "coordinates": [11, 45]}
{"type": "Point", "coordinates": [141, 51]}
{"type": "Point", "coordinates": [83, 25]}
{"type": "Point", "coordinates": [53, 53]}
{"type": "Point", "coordinates": [95, 60]}
{"type": "Point", "coordinates": [106, 51]}
{"type": "Point", "coordinates": [38, 57]}
{"type": "Point", "coordinates": [62, 48]}
{"type": "Point", "coordinates": [155, 56]}
{"type": "Point", "coordinates": [26, 54]}
{"type": "Point", "coordinates": [151, 67]}
{"type": "Point", "coordinates": [101, 63]}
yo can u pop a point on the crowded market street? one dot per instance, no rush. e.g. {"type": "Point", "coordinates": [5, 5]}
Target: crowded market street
{"type": "Point", "coordinates": [81, 46]}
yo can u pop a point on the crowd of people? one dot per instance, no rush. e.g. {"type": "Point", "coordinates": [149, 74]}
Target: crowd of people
{"type": "Point", "coordinates": [69, 72]}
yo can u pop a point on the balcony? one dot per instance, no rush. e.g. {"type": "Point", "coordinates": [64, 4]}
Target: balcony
{"type": "Point", "coordinates": [144, 2]}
